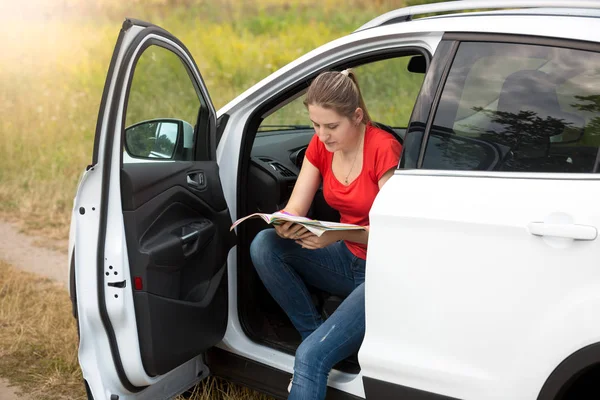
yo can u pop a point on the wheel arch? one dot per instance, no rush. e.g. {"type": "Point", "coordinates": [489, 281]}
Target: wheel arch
{"type": "Point", "coordinates": [569, 371]}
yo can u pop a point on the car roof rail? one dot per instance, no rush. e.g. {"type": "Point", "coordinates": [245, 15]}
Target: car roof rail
{"type": "Point", "coordinates": [407, 13]}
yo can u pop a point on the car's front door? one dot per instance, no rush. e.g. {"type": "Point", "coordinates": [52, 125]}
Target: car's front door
{"type": "Point", "coordinates": [152, 225]}
{"type": "Point", "coordinates": [483, 257]}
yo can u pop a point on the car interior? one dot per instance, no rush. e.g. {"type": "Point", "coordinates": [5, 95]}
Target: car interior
{"type": "Point", "coordinates": [273, 164]}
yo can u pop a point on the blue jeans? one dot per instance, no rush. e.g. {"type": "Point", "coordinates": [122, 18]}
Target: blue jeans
{"type": "Point", "coordinates": [286, 269]}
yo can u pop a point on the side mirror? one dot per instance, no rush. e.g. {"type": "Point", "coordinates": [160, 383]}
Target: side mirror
{"type": "Point", "coordinates": [169, 139]}
{"type": "Point", "coordinates": [417, 64]}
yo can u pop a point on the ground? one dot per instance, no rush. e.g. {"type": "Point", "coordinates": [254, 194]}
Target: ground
{"type": "Point", "coordinates": [26, 252]}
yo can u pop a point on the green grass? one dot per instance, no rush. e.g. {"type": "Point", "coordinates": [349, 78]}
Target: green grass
{"type": "Point", "coordinates": [52, 72]}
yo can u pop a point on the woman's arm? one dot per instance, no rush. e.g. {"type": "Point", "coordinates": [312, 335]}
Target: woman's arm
{"type": "Point", "coordinates": [304, 190]}
{"type": "Point", "coordinates": [302, 196]}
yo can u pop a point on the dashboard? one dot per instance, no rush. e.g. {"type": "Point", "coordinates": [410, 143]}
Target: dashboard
{"type": "Point", "coordinates": [275, 163]}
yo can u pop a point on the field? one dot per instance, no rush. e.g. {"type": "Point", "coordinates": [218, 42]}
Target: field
{"type": "Point", "coordinates": [52, 70]}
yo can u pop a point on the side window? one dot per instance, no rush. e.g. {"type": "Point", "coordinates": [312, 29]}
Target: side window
{"type": "Point", "coordinates": [388, 87]}
{"type": "Point", "coordinates": [162, 109]}
{"type": "Point", "coordinates": [516, 107]}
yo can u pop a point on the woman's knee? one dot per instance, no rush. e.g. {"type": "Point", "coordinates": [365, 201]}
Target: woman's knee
{"type": "Point", "coordinates": [308, 356]}
{"type": "Point", "coordinates": [263, 247]}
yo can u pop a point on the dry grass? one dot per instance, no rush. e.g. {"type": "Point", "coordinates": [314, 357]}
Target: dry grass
{"type": "Point", "coordinates": [38, 343]}
{"type": "Point", "coordinates": [38, 336]}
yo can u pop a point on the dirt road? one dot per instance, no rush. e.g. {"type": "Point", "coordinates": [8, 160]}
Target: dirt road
{"type": "Point", "coordinates": [24, 252]}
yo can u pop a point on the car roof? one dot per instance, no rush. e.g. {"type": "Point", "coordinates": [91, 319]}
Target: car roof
{"type": "Point", "coordinates": [505, 7]}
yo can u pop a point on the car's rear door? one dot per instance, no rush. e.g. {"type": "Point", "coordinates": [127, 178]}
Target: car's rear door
{"type": "Point", "coordinates": [483, 252]}
{"type": "Point", "coordinates": [152, 225]}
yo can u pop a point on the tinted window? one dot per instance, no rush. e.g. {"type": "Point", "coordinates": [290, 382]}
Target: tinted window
{"type": "Point", "coordinates": [514, 107]}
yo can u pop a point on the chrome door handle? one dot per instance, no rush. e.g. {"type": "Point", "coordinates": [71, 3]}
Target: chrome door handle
{"type": "Point", "coordinates": [569, 231]}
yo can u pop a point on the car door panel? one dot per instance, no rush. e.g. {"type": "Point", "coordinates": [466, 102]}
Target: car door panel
{"type": "Point", "coordinates": [157, 259]}
{"type": "Point", "coordinates": [473, 269]}
{"type": "Point", "coordinates": [174, 238]}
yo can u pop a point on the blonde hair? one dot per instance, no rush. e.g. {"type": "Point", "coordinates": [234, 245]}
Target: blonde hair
{"type": "Point", "coordinates": [338, 91]}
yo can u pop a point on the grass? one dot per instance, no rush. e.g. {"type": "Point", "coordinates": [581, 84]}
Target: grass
{"type": "Point", "coordinates": [52, 72]}
{"type": "Point", "coordinates": [38, 336]}
{"type": "Point", "coordinates": [38, 343]}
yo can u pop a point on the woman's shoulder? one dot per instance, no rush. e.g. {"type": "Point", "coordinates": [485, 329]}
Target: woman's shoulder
{"type": "Point", "coordinates": [379, 137]}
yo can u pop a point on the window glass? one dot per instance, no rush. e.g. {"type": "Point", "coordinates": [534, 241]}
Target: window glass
{"type": "Point", "coordinates": [515, 107]}
{"type": "Point", "coordinates": [388, 88]}
{"type": "Point", "coordinates": [162, 109]}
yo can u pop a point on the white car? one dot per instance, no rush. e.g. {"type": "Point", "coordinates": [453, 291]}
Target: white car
{"type": "Point", "coordinates": [483, 268]}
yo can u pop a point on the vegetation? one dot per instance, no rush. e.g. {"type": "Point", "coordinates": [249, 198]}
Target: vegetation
{"type": "Point", "coordinates": [38, 343]}
{"type": "Point", "coordinates": [52, 72]}
{"type": "Point", "coordinates": [53, 67]}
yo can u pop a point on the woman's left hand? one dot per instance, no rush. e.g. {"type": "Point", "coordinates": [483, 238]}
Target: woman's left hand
{"type": "Point", "coordinates": [314, 242]}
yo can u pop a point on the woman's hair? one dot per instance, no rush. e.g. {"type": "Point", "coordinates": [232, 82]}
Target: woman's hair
{"type": "Point", "coordinates": [337, 91]}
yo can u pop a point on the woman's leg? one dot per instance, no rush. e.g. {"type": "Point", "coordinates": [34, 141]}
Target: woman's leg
{"type": "Point", "coordinates": [337, 338]}
{"type": "Point", "coordinates": [286, 268]}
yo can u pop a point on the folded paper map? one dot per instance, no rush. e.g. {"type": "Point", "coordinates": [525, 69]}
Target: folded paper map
{"type": "Point", "coordinates": [313, 225]}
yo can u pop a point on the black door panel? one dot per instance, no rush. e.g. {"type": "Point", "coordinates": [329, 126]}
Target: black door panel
{"type": "Point", "coordinates": [141, 182]}
{"type": "Point", "coordinates": [172, 332]}
{"type": "Point", "coordinates": [178, 238]}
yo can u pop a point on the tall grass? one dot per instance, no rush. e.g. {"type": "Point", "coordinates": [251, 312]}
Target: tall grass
{"type": "Point", "coordinates": [52, 72]}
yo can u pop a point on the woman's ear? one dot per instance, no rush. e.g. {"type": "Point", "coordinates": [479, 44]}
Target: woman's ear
{"type": "Point", "coordinates": [358, 116]}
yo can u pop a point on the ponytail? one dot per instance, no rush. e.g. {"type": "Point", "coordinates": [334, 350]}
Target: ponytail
{"type": "Point", "coordinates": [361, 102]}
{"type": "Point", "coordinates": [338, 91]}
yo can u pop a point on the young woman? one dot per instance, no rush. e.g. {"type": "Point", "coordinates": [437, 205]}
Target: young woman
{"type": "Point", "coordinates": [353, 159]}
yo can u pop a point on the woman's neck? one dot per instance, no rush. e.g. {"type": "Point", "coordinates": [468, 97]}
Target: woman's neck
{"type": "Point", "coordinates": [351, 151]}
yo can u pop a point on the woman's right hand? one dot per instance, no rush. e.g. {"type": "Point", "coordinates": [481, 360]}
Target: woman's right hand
{"type": "Point", "coordinates": [290, 230]}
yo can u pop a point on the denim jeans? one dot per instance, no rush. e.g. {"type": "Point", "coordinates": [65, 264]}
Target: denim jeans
{"type": "Point", "coordinates": [286, 269]}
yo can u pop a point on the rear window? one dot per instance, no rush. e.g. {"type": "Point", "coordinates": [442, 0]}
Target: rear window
{"type": "Point", "coordinates": [516, 107]}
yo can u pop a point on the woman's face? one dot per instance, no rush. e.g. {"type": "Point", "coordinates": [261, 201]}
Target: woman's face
{"type": "Point", "coordinates": [337, 132]}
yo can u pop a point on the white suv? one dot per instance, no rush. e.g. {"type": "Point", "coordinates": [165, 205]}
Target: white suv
{"type": "Point", "coordinates": [483, 268]}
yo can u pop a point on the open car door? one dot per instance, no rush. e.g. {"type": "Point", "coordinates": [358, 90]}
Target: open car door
{"type": "Point", "coordinates": [151, 225]}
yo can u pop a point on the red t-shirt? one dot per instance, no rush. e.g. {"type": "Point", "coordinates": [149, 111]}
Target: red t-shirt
{"type": "Point", "coordinates": [381, 152]}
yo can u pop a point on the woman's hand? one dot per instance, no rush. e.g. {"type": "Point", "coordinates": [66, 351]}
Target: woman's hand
{"type": "Point", "coordinates": [314, 242]}
{"type": "Point", "coordinates": [290, 230]}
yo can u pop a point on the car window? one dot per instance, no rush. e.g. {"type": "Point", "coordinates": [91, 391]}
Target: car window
{"type": "Point", "coordinates": [162, 109]}
{"type": "Point", "coordinates": [388, 87]}
{"type": "Point", "coordinates": [390, 90]}
{"type": "Point", "coordinates": [518, 107]}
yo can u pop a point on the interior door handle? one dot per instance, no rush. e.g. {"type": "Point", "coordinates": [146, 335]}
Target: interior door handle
{"type": "Point", "coordinates": [195, 179]}
{"type": "Point", "coordinates": [569, 231]}
{"type": "Point", "coordinates": [189, 237]}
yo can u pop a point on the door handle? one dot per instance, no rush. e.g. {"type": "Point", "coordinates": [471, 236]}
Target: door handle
{"type": "Point", "coordinates": [189, 237]}
{"type": "Point", "coordinates": [569, 231]}
{"type": "Point", "coordinates": [196, 179]}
